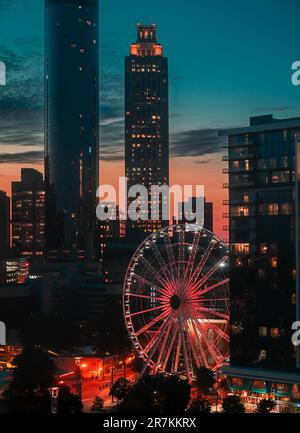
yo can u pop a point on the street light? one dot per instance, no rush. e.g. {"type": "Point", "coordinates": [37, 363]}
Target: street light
{"type": "Point", "coordinates": [78, 377]}
{"type": "Point", "coordinates": [112, 383]}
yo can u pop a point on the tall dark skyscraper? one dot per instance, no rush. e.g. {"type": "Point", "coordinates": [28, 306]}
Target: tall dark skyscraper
{"type": "Point", "coordinates": [71, 127]}
{"type": "Point", "coordinates": [28, 214]}
{"type": "Point", "coordinates": [4, 225]}
{"type": "Point", "coordinates": [147, 117]}
{"type": "Point", "coordinates": [264, 267]}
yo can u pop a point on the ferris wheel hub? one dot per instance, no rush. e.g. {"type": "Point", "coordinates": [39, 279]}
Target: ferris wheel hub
{"type": "Point", "coordinates": [175, 302]}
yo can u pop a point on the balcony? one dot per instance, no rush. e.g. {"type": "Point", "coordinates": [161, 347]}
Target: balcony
{"type": "Point", "coordinates": [241, 184]}
{"type": "Point", "coordinates": [241, 156]}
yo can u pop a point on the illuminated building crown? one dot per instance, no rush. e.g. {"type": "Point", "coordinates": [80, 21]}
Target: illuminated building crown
{"type": "Point", "coordinates": [146, 44]}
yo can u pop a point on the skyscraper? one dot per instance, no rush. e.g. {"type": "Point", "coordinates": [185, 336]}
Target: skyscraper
{"type": "Point", "coordinates": [147, 118]}
{"type": "Point", "coordinates": [4, 225]}
{"type": "Point", "coordinates": [263, 233]}
{"type": "Point", "coordinates": [111, 228]}
{"type": "Point", "coordinates": [71, 127]}
{"type": "Point", "coordinates": [28, 214]}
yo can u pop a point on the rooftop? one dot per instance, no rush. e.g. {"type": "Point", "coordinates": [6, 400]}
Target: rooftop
{"type": "Point", "coordinates": [263, 123]}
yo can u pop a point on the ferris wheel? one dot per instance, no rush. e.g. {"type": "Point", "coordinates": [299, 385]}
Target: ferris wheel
{"type": "Point", "coordinates": [175, 300]}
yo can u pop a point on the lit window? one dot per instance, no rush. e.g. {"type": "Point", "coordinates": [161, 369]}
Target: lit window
{"type": "Point", "coordinates": [262, 331]}
{"type": "Point", "coordinates": [263, 248]}
{"type": "Point", "coordinates": [243, 211]}
{"type": "Point", "coordinates": [262, 356]}
{"type": "Point", "coordinates": [239, 262]}
{"type": "Point", "coordinates": [259, 384]}
{"type": "Point", "coordinates": [240, 248]}
{"type": "Point", "coordinates": [275, 332]}
{"type": "Point", "coordinates": [273, 209]}
{"type": "Point", "coordinates": [246, 198]}
{"type": "Point", "coordinates": [274, 262]}
{"type": "Point", "coordinates": [237, 382]}
{"type": "Point", "coordinates": [286, 209]}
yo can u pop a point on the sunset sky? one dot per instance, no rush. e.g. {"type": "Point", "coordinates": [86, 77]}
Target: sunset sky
{"type": "Point", "coordinates": [227, 60]}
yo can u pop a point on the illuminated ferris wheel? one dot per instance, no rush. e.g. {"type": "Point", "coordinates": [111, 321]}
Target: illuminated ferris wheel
{"type": "Point", "coordinates": [175, 300]}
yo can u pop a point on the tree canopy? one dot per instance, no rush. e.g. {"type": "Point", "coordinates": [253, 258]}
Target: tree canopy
{"type": "Point", "coordinates": [205, 380]}
{"type": "Point", "coordinates": [233, 404]}
{"type": "Point", "coordinates": [158, 394]}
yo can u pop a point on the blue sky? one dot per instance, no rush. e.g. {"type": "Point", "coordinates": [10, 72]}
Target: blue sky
{"type": "Point", "coordinates": [228, 60]}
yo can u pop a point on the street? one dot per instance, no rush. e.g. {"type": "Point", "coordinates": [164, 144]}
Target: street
{"type": "Point", "coordinates": [95, 387]}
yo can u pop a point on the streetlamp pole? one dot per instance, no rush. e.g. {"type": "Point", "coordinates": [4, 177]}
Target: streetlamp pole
{"type": "Point", "coordinates": [78, 377]}
{"type": "Point", "coordinates": [124, 368]}
{"type": "Point", "coordinates": [112, 383]}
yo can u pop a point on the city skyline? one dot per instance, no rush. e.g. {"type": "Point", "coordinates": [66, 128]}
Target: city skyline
{"type": "Point", "coordinates": [212, 85]}
{"type": "Point", "coordinates": [149, 203]}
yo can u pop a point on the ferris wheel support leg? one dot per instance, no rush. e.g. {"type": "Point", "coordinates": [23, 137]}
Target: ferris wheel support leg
{"type": "Point", "coordinates": [175, 367]}
{"type": "Point", "coordinates": [162, 350]}
{"type": "Point", "coordinates": [199, 345]}
{"type": "Point", "coordinates": [166, 358]}
{"type": "Point", "coordinates": [155, 345]}
{"type": "Point", "coordinates": [184, 350]}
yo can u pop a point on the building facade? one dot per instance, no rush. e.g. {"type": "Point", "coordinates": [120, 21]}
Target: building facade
{"type": "Point", "coordinates": [112, 228]}
{"type": "Point", "coordinates": [14, 271]}
{"type": "Point", "coordinates": [71, 127]}
{"type": "Point", "coordinates": [28, 215]}
{"type": "Point", "coordinates": [263, 232]}
{"type": "Point", "coordinates": [4, 225]}
{"type": "Point", "coordinates": [147, 121]}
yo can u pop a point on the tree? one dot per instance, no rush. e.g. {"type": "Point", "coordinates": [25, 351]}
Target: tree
{"type": "Point", "coordinates": [175, 395]}
{"type": "Point", "coordinates": [120, 388]}
{"type": "Point", "coordinates": [34, 370]}
{"type": "Point", "coordinates": [233, 404]}
{"type": "Point", "coordinates": [98, 404]}
{"type": "Point", "coordinates": [68, 402]}
{"type": "Point", "coordinates": [199, 405]}
{"type": "Point", "coordinates": [158, 394]}
{"type": "Point", "coordinates": [30, 402]}
{"type": "Point", "coordinates": [205, 380]}
{"type": "Point", "coordinates": [34, 374]}
{"type": "Point", "coordinates": [265, 405]}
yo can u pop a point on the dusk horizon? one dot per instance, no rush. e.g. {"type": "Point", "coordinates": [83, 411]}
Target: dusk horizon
{"type": "Point", "coordinates": [213, 85]}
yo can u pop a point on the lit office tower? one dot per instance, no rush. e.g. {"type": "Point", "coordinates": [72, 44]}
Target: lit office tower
{"type": "Point", "coordinates": [147, 119]}
{"type": "Point", "coordinates": [4, 225]}
{"type": "Point", "coordinates": [263, 233]}
{"type": "Point", "coordinates": [28, 214]}
{"type": "Point", "coordinates": [71, 127]}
